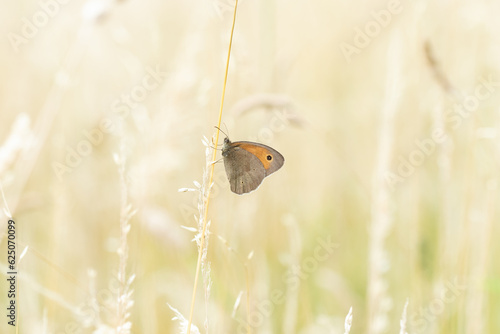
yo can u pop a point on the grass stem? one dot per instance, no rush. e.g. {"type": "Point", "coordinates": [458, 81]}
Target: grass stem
{"type": "Point", "coordinates": [212, 167]}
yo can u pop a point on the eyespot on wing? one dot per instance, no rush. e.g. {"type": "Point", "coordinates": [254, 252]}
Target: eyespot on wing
{"type": "Point", "coordinates": [271, 159]}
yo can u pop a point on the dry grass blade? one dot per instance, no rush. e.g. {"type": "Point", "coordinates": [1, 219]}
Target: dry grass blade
{"type": "Point", "coordinates": [183, 322]}
{"type": "Point", "coordinates": [382, 219]}
{"type": "Point", "coordinates": [348, 321]}
{"type": "Point", "coordinates": [441, 78]}
{"type": "Point", "coordinates": [403, 318]}
{"type": "Point", "coordinates": [206, 199]}
{"type": "Point", "coordinates": [125, 301]}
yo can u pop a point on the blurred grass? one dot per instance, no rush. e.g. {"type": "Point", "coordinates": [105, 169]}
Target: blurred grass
{"type": "Point", "coordinates": [443, 218]}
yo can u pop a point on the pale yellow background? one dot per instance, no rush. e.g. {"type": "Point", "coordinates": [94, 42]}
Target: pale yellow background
{"type": "Point", "coordinates": [342, 121]}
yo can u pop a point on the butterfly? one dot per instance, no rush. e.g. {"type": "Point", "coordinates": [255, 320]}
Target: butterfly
{"type": "Point", "coordinates": [248, 163]}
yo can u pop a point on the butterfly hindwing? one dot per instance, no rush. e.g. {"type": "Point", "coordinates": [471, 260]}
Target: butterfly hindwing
{"type": "Point", "coordinates": [244, 170]}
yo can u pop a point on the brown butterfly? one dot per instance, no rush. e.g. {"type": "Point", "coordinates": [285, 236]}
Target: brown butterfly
{"type": "Point", "coordinates": [247, 164]}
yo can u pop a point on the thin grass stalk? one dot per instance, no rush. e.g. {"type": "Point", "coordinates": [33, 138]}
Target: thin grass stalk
{"type": "Point", "coordinates": [404, 320]}
{"type": "Point", "coordinates": [247, 280]}
{"type": "Point", "coordinates": [291, 311]}
{"type": "Point", "coordinates": [381, 215]}
{"type": "Point", "coordinates": [246, 265]}
{"type": "Point", "coordinates": [125, 300]}
{"type": "Point", "coordinates": [212, 168]}
{"type": "Point", "coordinates": [348, 322]}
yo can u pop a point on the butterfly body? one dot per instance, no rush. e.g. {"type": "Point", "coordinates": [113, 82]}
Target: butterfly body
{"type": "Point", "coordinates": [248, 163]}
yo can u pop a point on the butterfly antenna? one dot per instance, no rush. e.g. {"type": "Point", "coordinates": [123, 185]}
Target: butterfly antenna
{"type": "Point", "coordinates": [226, 127]}
{"type": "Point", "coordinates": [221, 131]}
{"type": "Point", "coordinates": [215, 147]}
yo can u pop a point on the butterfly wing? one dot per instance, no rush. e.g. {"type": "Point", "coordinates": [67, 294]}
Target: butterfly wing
{"type": "Point", "coordinates": [271, 159]}
{"type": "Point", "coordinates": [244, 170]}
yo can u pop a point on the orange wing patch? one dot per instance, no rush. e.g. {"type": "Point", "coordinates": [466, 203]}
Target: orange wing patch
{"type": "Point", "coordinates": [260, 152]}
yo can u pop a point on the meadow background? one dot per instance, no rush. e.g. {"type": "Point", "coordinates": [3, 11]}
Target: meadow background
{"type": "Point", "coordinates": [387, 114]}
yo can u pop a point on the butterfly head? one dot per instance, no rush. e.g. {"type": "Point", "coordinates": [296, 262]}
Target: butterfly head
{"type": "Point", "coordinates": [226, 146]}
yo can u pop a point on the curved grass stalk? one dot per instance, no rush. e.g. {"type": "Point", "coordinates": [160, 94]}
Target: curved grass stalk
{"type": "Point", "coordinates": [212, 167]}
